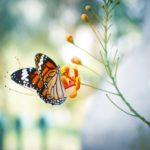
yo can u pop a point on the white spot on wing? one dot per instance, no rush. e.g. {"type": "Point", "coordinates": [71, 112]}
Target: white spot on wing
{"type": "Point", "coordinates": [24, 74]}
{"type": "Point", "coordinates": [41, 60]}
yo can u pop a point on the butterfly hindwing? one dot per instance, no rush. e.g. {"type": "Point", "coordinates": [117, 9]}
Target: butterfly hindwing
{"type": "Point", "coordinates": [29, 77]}
{"type": "Point", "coordinates": [56, 91]}
{"type": "Point", "coordinates": [50, 75]}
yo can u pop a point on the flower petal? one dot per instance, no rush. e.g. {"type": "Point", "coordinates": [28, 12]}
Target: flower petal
{"type": "Point", "coordinates": [76, 72]}
{"type": "Point", "coordinates": [65, 70]}
{"type": "Point", "coordinates": [73, 94]}
{"type": "Point", "coordinates": [64, 81]}
{"type": "Point", "coordinates": [77, 83]}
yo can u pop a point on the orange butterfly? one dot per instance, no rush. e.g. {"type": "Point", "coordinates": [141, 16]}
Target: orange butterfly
{"type": "Point", "coordinates": [45, 79]}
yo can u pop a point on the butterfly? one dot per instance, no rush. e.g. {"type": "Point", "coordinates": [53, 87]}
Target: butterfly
{"type": "Point", "coordinates": [45, 78]}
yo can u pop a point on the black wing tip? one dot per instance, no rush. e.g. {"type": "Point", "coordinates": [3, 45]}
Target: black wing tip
{"type": "Point", "coordinates": [45, 58]}
{"type": "Point", "coordinates": [38, 54]}
{"type": "Point", "coordinates": [38, 57]}
{"type": "Point", "coordinates": [12, 76]}
{"type": "Point", "coordinates": [15, 75]}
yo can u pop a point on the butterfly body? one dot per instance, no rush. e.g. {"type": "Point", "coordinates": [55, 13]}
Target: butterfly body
{"type": "Point", "coordinates": [45, 79]}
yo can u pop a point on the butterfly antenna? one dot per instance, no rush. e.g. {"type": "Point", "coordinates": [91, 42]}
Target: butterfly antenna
{"type": "Point", "coordinates": [24, 93]}
{"type": "Point", "coordinates": [19, 63]}
{"type": "Point", "coordinates": [28, 88]}
{"type": "Point", "coordinates": [7, 77]}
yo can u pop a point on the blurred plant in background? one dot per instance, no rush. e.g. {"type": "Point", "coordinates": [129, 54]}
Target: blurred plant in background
{"type": "Point", "coordinates": [28, 27]}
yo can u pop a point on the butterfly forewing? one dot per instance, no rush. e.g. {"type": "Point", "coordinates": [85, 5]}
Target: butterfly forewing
{"type": "Point", "coordinates": [45, 65]}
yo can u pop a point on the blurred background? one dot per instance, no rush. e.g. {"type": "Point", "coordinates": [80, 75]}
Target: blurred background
{"type": "Point", "coordinates": [28, 27]}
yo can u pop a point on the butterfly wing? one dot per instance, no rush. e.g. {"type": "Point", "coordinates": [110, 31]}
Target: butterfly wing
{"type": "Point", "coordinates": [50, 75]}
{"type": "Point", "coordinates": [46, 66]}
{"type": "Point", "coordinates": [56, 91]}
{"type": "Point", "coordinates": [29, 77]}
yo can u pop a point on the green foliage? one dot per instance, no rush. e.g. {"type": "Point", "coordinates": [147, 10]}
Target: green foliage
{"type": "Point", "coordinates": [8, 21]}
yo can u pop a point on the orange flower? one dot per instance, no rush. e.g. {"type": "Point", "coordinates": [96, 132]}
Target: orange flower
{"type": "Point", "coordinates": [70, 79]}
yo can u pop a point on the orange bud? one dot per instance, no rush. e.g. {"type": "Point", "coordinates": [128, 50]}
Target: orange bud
{"type": "Point", "coordinates": [87, 7]}
{"type": "Point", "coordinates": [84, 17]}
{"type": "Point", "coordinates": [76, 60]}
{"type": "Point", "coordinates": [69, 38]}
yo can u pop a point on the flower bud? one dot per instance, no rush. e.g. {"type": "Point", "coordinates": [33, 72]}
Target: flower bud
{"type": "Point", "coordinates": [69, 38]}
{"type": "Point", "coordinates": [76, 60]}
{"type": "Point", "coordinates": [84, 18]}
{"type": "Point", "coordinates": [87, 7]}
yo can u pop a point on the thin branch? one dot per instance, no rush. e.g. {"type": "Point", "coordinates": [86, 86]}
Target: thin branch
{"type": "Point", "coordinates": [103, 90]}
{"type": "Point", "coordinates": [97, 36]}
{"type": "Point", "coordinates": [87, 53]}
{"type": "Point", "coordinates": [115, 56]}
{"type": "Point", "coordinates": [129, 106]}
{"type": "Point", "coordinates": [118, 106]}
{"type": "Point", "coordinates": [91, 70]}
{"type": "Point", "coordinates": [116, 68]}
